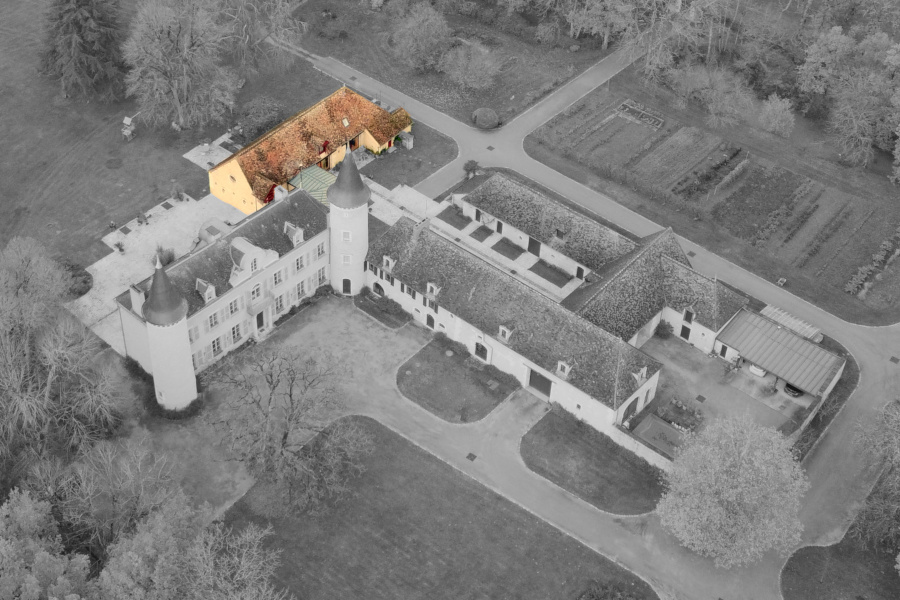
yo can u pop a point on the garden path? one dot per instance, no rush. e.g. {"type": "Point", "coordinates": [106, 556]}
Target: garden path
{"type": "Point", "coordinates": [840, 477]}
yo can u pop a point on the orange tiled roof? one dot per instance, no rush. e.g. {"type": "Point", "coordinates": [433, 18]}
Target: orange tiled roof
{"type": "Point", "coordinates": [297, 143]}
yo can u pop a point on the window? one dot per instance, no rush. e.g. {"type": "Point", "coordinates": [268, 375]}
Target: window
{"type": "Point", "coordinates": [432, 289]}
{"type": "Point", "coordinates": [301, 289]}
{"type": "Point", "coordinates": [411, 292]}
{"type": "Point", "coordinates": [193, 334]}
{"type": "Point", "coordinates": [424, 300]}
{"type": "Point", "coordinates": [345, 236]}
{"type": "Point", "coordinates": [373, 268]}
{"type": "Point", "coordinates": [255, 292]}
{"type": "Point", "coordinates": [499, 227]}
{"type": "Point", "coordinates": [688, 316]}
{"type": "Point", "coordinates": [217, 346]}
{"type": "Point", "coordinates": [387, 263]}
{"type": "Point", "coordinates": [433, 305]}
{"type": "Point", "coordinates": [232, 307]}
{"type": "Point", "coordinates": [277, 278]}
{"type": "Point", "coordinates": [253, 265]}
{"type": "Point", "coordinates": [504, 333]}
{"type": "Point", "coordinates": [563, 368]}
{"type": "Point", "coordinates": [233, 180]}
{"type": "Point", "coordinates": [194, 361]}
{"type": "Point", "coordinates": [320, 276]}
{"type": "Point", "coordinates": [298, 263]}
{"type": "Point", "coordinates": [402, 288]}
{"type": "Point", "coordinates": [213, 320]}
{"type": "Point", "coordinates": [346, 258]}
{"type": "Point", "coordinates": [279, 303]}
{"type": "Point", "coordinates": [320, 250]}
{"type": "Point", "coordinates": [480, 351]}
{"type": "Point", "coordinates": [236, 333]}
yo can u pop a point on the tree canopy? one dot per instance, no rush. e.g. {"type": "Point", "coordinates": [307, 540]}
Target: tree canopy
{"type": "Point", "coordinates": [83, 47]}
{"type": "Point", "coordinates": [734, 493]}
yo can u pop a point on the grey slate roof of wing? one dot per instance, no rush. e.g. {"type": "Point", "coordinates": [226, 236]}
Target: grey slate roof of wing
{"type": "Point", "coordinates": [482, 295]}
{"type": "Point", "coordinates": [264, 229]}
{"type": "Point", "coordinates": [582, 239]}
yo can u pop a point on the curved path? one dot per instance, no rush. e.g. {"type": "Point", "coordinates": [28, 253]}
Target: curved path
{"type": "Point", "coordinates": [840, 476]}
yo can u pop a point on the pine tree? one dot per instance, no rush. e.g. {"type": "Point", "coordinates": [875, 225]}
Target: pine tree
{"type": "Point", "coordinates": [83, 47]}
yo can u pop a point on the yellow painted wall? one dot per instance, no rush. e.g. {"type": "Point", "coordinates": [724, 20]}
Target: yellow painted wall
{"type": "Point", "coordinates": [228, 183]}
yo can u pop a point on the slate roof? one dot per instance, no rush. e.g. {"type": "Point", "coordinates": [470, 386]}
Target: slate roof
{"type": "Point", "coordinates": [585, 240]}
{"type": "Point", "coordinates": [297, 143]}
{"type": "Point", "coordinates": [624, 295]}
{"type": "Point", "coordinates": [542, 330]}
{"type": "Point", "coordinates": [264, 229]}
{"type": "Point", "coordinates": [779, 350]}
{"type": "Point", "coordinates": [164, 305]}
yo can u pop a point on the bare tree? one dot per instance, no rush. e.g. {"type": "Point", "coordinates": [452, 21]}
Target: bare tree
{"type": "Point", "coordinates": [253, 23]}
{"type": "Point", "coordinates": [173, 52]}
{"type": "Point", "coordinates": [104, 496]}
{"type": "Point", "coordinates": [421, 37]}
{"type": "Point", "coordinates": [278, 418]}
{"type": "Point", "coordinates": [878, 521]}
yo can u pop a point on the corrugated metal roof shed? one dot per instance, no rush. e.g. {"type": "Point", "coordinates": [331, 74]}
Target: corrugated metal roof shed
{"type": "Point", "coordinates": [783, 317]}
{"type": "Point", "coordinates": [779, 350]}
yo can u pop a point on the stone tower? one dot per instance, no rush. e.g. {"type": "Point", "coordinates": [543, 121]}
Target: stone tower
{"type": "Point", "coordinates": [348, 224]}
{"type": "Point", "coordinates": [165, 312]}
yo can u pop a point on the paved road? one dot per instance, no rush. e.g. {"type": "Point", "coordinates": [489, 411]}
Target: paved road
{"type": "Point", "coordinates": [840, 477]}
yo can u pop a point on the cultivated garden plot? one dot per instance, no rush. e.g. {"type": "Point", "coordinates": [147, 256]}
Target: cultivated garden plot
{"type": "Point", "coordinates": [833, 245]}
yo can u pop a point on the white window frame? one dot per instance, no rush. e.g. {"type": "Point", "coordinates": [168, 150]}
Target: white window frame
{"type": "Point", "coordinates": [298, 263]}
{"type": "Point", "coordinates": [320, 276]}
{"type": "Point", "coordinates": [301, 289]}
{"type": "Point", "coordinates": [320, 250]}
{"type": "Point", "coordinates": [256, 292]}
{"type": "Point", "coordinates": [254, 265]}
{"type": "Point", "coordinates": [216, 343]}
{"type": "Point", "coordinates": [346, 259]}
{"type": "Point", "coordinates": [279, 303]}
{"type": "Point", "coordinates": [277, 277]}
{"type": "Point", "coordinates": [233, 307]}
{"type": "Point", "coordinates": [346, 236]}
{"type": "Point", "coordinates": [236, 334]}
{"type": "Point", "coordinates": [213, 320]}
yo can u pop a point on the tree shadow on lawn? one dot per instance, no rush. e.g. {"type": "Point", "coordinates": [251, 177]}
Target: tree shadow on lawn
{"type": "Point", "coordinates": [457, 388]}
{"type": "Point", "coordinates": [581, 460]}
{"type": "Point", "coordinates": [415, 527]}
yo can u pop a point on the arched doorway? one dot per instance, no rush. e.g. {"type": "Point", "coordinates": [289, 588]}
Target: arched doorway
{"type": "Point", "coordinates": [378, 289]}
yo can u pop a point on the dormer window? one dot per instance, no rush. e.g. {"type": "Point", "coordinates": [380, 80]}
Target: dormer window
{"type": "Point", "coordinates": [563, 369]}
{"type": "Point", "coordinates": [433, 289]}
{"type": "Point", "coordinates": [294, 232]}
{"type": "Point", "coordinates": [254, 265]}
{"type": "Point", "coordinates": [688, 315]}
{"type": "Point", "coordinates": [345, 122]}
{"type": "Point", "coordinates": [505, 332]}
{"type": "Point", "coordinates": [388, 263]}
{"type": "Point", "coordinates": [205, 289]}
{"type": "Point", "coordinates": [561, 234]}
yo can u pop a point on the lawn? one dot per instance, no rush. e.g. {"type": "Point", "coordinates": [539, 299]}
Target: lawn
{"type": "Point", "coordinates": [432, 150]}
{"type": "Point", "coordinates": [416, 528]}
{"type": "Point", "coordinates": [458, 388]}
{"type": "Point", "coordinates": [580, 459]}
{"type": "Point", "coordinates": [800, 176]}
{"type": "Point", "coordinates": [840, 572]}
{"type": "Point", "coordinates": [361, 38]}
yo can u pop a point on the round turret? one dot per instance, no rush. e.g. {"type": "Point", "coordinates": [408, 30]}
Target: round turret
{"type": "Point", "coordinates": [164, 305]}
{"type": "Point", "coordinates": [348, 191]}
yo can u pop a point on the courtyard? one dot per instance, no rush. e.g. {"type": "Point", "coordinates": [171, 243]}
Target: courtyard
{"type": "Point", "coordinates": [701, 382]}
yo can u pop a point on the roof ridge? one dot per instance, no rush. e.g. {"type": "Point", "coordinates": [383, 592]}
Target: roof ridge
{"type": "Point", "coordinates": [790, 331]}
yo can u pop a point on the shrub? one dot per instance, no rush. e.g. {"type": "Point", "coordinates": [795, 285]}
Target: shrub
{"type": "Point", "coordinates": [485, 118]}
{"type": "Point", "coordinates": [547, 33]}
{"type": "Point", "coordinates": [664, 330]}
{"type": "Point", "coordinates": [470, 67]}
{"type": "Point", "coordinates": [166, 256]}
{"type": "Point", "coordinates": [468, 8]}
{"type": "Point", "coordinates": [596, 591]}
{"type": "Point", "coordinates": [777, 116]}
{"type": "Point", "coordinates": [391, 307]}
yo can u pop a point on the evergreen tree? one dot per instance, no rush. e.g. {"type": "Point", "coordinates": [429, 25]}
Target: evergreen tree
{"type": "Point", "coordinates": [83, 47]}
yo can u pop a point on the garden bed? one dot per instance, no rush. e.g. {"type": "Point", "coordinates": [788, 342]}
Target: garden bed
{"type": "Point", "coordinates": [506, 248]}
{"type": "Point", "coordinates": [580, 459]}
{"type": "Point", "coordinates": [456, 387]}
{"type": "Point", "coordinates": [676, 155]}
{"type": "Point", "coordinates": [386, 311]}
{"type": "Point", "coordinates": [454, 216]}
{"type": "Point", "coordinates": [414, 527]}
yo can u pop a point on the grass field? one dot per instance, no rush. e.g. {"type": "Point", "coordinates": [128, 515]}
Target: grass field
{"type": "Point", "coordinates": [587, 463]}
{"type": "Point", "coordinates": [840, 572]}
{"type": "Point", "coordinates": [417, 528]}
{"type": "Point", "coordinates": [816, 254]}
{"type": "Point", "coordinates": [456, 388]}
{"type": "Point", "coordinates": [526, 66]}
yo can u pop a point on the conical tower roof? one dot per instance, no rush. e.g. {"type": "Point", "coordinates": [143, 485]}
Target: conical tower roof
{"type": "Point", "coordinates": [164, 305]}
{"type": "Point", "coordinates": [348, 191]}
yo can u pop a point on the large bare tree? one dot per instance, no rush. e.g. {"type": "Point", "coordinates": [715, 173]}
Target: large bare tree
{"type": "Point", "coordinates": [279, 418]}
{"type": "Point", "coordinates": [173, 52]}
